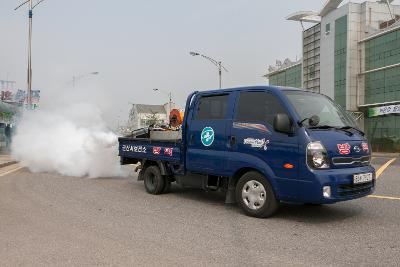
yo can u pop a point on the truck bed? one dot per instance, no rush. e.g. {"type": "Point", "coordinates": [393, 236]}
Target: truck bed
{"type": "Point", "coordinates": [152, 149]}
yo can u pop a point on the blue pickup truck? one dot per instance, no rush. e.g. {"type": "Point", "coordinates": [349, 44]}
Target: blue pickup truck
{"type": "Point", "coordinates": [261, 146]}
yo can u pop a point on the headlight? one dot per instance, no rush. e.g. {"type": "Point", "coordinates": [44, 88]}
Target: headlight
{"type": "Point", "coordinates": [316, 156]}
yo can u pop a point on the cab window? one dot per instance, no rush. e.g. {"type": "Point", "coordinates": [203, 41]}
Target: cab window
{"type": "Point", "coordinates": [212, 107]}
{"type": "Point", "coordinates": [258, 107]}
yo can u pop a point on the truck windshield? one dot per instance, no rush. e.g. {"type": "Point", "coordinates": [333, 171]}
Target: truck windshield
{"type": "Point", "coordinates": [311, 104]}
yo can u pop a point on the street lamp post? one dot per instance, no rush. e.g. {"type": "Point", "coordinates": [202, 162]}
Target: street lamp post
{"type": "Point", "coordinates": [30, 14]}
{"type": "Point", "coordinates": [79, 77]}
{"type": "Point", "coordinates": [217, 63]}
{"type": "Point", "coordinates": [170, 98]}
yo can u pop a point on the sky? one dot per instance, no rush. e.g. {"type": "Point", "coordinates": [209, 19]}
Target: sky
{"type": "Point", "coordinates": [140, 45]}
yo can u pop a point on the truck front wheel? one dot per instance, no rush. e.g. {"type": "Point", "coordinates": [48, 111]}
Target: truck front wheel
{"type": "Point", "coordinates": [255, 195]}
{"type": "Point", "coordinates": [154, 182]}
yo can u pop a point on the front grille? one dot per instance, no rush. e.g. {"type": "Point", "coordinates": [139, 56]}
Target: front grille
{"type": "Point", "coordinates": [365, 160]}
{"type": "Point", "coordinates": [346, 190]}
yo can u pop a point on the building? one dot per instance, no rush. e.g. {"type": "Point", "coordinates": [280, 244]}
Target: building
{"type": "Point", "coordinates": [351, 53]}
{"type": "Point", "coordinates": [286, 74]}
{"type": "Point", "coordinates": [7, 85]}
{"type": "Point", "coordinates": [9, 114]}
{"type": "Point", "coordinates": [142, 116]}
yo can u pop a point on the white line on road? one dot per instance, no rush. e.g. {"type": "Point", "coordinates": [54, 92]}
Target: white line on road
{"type": "Point", "coordinates": [383, 168]}
{"type": "Point", "coordinates": [384, 197]}
{"type": "Point", "coordinates": [10, 171]}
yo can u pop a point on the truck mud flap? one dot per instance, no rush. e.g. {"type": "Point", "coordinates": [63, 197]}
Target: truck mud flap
{"type": "Point", "coordinates": [230, 197]}
{"type": "Point", "coordinates": [163, 168]}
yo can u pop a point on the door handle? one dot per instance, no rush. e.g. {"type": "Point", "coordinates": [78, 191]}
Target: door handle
{"type": "Point", "coordinates": [191, 139]}
{"type": "Point", "coordinates": [232, 141]}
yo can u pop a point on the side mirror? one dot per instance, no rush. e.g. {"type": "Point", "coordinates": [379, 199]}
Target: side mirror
{"type": "Point", "coordinates": [282, 123]}
{"type": "Point", "coordinates": [313, 120]}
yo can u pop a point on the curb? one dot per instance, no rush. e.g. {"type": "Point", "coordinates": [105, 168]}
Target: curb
{"type": "Point", "coordinates": [386, 155]}
{"type": "Point", "coordinates": [8, 163]}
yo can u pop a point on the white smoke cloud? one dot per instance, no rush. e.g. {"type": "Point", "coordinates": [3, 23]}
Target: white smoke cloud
{"type": "Point", "coordinates": [72, 141]}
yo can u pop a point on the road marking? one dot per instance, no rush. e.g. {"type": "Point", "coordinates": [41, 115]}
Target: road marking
{"type": "Point", "coordinates": [383, 168]}
{"type": "Point", "coordinates": [384, 197]}
{"type": "Point", "coordinates": [10, 171]}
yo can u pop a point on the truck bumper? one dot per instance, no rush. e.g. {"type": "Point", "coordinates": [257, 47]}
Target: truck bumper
{"type": "Point", "coordinates": [341, 185]}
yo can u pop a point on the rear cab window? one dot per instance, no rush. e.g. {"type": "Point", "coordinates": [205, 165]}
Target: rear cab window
{"type": "Point", "coordinates": [214, 107]}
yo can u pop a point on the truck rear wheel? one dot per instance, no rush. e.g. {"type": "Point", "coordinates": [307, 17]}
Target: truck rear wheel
{"type": "Point", "coordinates": [255, 195]}
{"type": "Point", "coordinates": [154, 182]}
{"type": "Point", "coordinates": [167, 185]}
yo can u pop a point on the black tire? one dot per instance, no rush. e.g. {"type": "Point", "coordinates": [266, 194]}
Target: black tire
{"type": "Point", "coordinates": [153, 180]}
{"type": "Point", "coordinates": [255, 195]}
{"type": "Point", "coordinates": [167, 185]}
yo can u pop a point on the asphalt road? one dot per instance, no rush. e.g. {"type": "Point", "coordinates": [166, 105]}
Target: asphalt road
{"type": "Point", "coordinates": [51, 220]}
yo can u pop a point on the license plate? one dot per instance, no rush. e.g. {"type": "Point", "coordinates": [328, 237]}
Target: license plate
{"type": "Point", "coordinates": [362, 178]}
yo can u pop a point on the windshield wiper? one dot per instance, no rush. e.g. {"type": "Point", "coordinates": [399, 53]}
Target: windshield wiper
{"type": "Point", "coordinates": [353, 128]}
{"type": "Point", "coordinates": [328, 127]}
{"type": "Point", "coordinates": [300, 123]}
{"type": "Point", "coordinates": [322, 127]}
{"type": "Point", "coordinates": [312, 121]}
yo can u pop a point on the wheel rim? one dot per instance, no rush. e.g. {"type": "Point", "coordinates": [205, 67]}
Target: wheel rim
{"type": "Point", "coordinates": [253, 195]}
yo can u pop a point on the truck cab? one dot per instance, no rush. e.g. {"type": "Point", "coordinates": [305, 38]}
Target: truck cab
{"type": "Point", "coordinates": [264, 145]}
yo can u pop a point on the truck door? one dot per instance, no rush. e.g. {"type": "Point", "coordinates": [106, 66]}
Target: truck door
{"type": "Point", "coordinates": [257, 142]}
{"type": "Point", "coordinates": [207, 134]}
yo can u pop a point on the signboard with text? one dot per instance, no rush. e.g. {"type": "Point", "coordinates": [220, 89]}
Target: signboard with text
{"type": "Point", "coordinates": [385, 110]}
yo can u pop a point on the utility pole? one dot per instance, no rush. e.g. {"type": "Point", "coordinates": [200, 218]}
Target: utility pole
{"type": "Point", "coordinates": [218, 64]}
{"type": "Point", "coordinates": [30, 55]}
{"type": "Point", "coordinates": [170, 102]}
{"type": "Point", "coordinates": [169, 96]}
{"type": "Point", "coordinates": [30, 16]}
{"type": "Point", "coordinates": [220, 73]}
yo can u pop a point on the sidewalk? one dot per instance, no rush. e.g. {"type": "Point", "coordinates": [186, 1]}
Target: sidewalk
{"type": "Point", "coordinates": [6, 160]}
{"type": "Point", "coordinates": [385, 155]}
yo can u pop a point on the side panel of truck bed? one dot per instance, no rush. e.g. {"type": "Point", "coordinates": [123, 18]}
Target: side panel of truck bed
{"type": "Point", "coordinates": [141, 148]}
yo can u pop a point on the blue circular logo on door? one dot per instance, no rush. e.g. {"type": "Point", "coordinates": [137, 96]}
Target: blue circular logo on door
{"type": "Point", "coordinates": [207, 136]}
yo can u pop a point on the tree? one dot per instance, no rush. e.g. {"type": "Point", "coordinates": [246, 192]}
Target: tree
{"type": "Point", "coordinates": [152, 119]}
